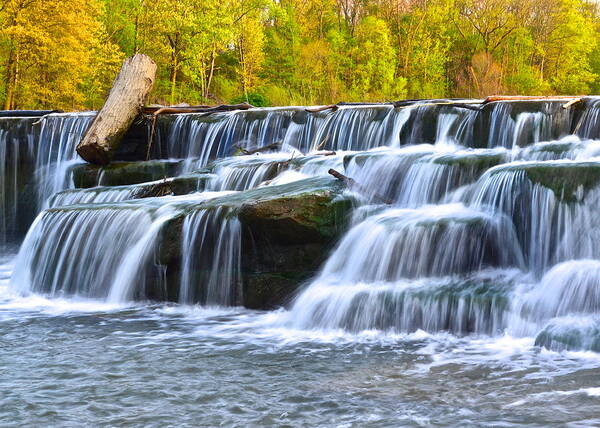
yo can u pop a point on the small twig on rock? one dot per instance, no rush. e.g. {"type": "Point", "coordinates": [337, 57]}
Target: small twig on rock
{"type": "Point", "coordinates": [353, 185]}
{"type": "Point", "coordinates": [272, 146]}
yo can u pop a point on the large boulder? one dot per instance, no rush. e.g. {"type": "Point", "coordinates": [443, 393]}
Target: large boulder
{"type": "Point", "coordinates": [287, 233]}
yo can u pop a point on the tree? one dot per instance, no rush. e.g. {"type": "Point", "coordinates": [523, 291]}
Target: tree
{"type": "Point", "coordinates": [51, 48]}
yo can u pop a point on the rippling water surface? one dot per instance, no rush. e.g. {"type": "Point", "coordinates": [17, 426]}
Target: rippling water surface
{"type": "Point", "coordinates": [84, 363]}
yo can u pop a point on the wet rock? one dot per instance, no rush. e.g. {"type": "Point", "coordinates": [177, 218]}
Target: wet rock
{"type": "Point", "coordinates": [286, 240]}
{"type": "Point", "coordinates": [578, 334]}
{"type": "Point", "coordinates": [569, 181]}
{"type": "Point", "coordinates": [181, 185]}
{"type": "Point", "coordinates": [310, 217]}
{"type": "Point", "coordinates": [272, 290]}
{"type": "Point", "coordinates": [479, 161]}
{"type": "Point", "coordinates": [287, 232]}
{"type": "Point", "coordinates": [123, 173]}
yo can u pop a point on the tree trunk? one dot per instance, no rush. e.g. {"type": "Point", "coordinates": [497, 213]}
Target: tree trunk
{"type": "Point", "coordinates": [124, 103]}
{"type": "Point", "coordinates": [10, 80]}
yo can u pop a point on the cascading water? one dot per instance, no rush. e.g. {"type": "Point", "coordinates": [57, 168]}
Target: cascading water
{"type": "Point", "coordinates": [96, 239]}
{"type": "Point", "coordinates": [35, 156]}
{"type": "Point", "coordinates": [589, 123]}
{"type": "Point", "coordinates": [211, 263]}
{"type": "Point", "coordinates": [466, 238]}
{"type": "Point", "coordinates": [355, 292]}
{"type": "Point", "coordinates": [201, 139]}
{"type": "Point", "coordinates": [59, 135]}
{"type": "Point", "coordinates": [15, 136]}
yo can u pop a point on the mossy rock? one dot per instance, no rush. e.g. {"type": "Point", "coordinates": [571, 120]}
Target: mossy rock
{"type": "Point", "coordinates": [123, 173]}
{"type": "Point", "coordinates": [569, 181]}
{"type": "Point", "coordinates": [555, 147]}
{"type": "Point", "coordinates": [361, 158]}
{"type": "Point", "coordinates": [181, 185]}
{"type": "Point", "coordinates": [479, 160]}
{"type": "Point", "coordinates": [310, 217]}
{"type": "Point", "coordinates": [255, 114]}
{"type": "Point", "coordinates": [300, 117]}
{"type": "Point", "coordinates": [561, 335]}
{"type": "Point", "coordinates": [287, 232]}
{"type": "Point", "coordinates": [169, 241]}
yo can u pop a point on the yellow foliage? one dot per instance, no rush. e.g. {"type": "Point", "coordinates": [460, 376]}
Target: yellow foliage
{"type": "Point", "coordinates": [53, 50]}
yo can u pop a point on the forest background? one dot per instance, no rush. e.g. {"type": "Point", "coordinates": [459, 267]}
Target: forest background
{"type": "Point", "coordinates": [65, 53]}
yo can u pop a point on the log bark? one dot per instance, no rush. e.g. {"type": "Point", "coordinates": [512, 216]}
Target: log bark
{"type": "Point", "coordinates": [332, 107]}
{"type": "Point", "coordinates": [495, 98]}
{"type": "Point", "coordinates": [197, 109]}
{"type": "Point", "coordinates": [571, 103]}
{"type": "Point", "coordinates": [124, 103]}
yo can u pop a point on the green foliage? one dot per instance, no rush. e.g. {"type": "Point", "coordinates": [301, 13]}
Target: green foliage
{"type": "Point", "coordinates": [65, 53]}
{"type": "Point", "coordinates": [254, 98]}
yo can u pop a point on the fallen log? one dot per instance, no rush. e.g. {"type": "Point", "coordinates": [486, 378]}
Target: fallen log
{"type": "Point", "coordinates": [467, 104]}
{"type": "Point", "coordinates": [272, 146]}
{"type": "Point", "coordinates": [332, 107]}
{"type": "Point", "coordinates": [494, 98]}
{"type": "Point", "coordinates": [353, 185]}
{"type": "Point", "coordinates": [155, 111]}
{"type": "Point", "coordinates": [124, 103]}
{"type": "Point", "coordinates": [571, 103]}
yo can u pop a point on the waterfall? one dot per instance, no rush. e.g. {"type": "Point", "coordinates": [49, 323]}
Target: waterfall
{"type": "Point", "coordinates": [589, 123]}
{"type": "Point", "coordinates": [246, 172]}
{"type": "Point", "coordinates": [95, 195]}
{"type": "Point", "coordinates": [554, 222]}
{"type": "Point", "coordinates": [463, 217]}
{"type": "Point", "coordinates": [211, 250]}
{"type": "Point", "coordinates": [35, 157]}
{"type": "Point", "coordinates": [348, 128]}
{"type": "Point", "coordinates": [376, 276]}
{"type": "Point", "coordinates": [16, 136]}
{"type": "Point", "coordinates": [55, 152]}
{"type": "Point", "coordinates": [79, 251]}
{"type": "Point", "coordinates": [571, 287]}
{"type": "Point", "coordinates": [512, 125]}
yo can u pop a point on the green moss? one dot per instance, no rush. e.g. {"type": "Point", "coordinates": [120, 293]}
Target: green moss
{"type": "Point", "coordinates": [123, 173]}
{"type": "Point", "coordinates": [556, 147]}
{"type": "Point", "coordinates": [565, 181]}
{"type": "Point", "coordinates": [480, 160]}
{"type": "Point", "coordinates": [569, 181]}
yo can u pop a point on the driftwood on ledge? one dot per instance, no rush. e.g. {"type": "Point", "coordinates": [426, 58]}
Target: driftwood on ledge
{"type": "Point", "coordinates": [332, 107]}
{"type": "Point", "coordinates": [466, 104]}
{"type": "Point", "coordinates": [124, 103]}
{"type": "Point", "coordinates": [494, 98]}
{"type": "Point", "coordinates": [155, 111]}
{"type": "Point", "coordinates": [272, 146]}
{"type": "Point", "coordinates": [158, 110]}
{"type": "Point", "coordinates": [353, 185]}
